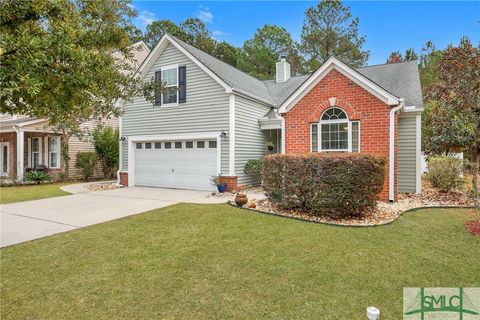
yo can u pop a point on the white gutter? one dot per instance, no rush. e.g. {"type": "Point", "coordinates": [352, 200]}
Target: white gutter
{"type": "Point", "coordinates": [391, 158]}
{"type": "Point", "coordinates": [283, 134]}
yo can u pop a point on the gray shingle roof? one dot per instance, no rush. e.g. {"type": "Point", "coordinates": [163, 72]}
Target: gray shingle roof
{"type": "Point", "coordinates": [400, 79]}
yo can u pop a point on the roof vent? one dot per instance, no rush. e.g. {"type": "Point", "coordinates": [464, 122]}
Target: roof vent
{"type": "Point", "coordinates": [282, 70]}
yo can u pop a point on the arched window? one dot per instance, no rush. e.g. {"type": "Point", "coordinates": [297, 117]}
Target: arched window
{"type": "Point", "coordinates": [335, 132]}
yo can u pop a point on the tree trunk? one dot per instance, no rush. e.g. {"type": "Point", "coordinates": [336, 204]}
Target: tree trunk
{"type": "Point", "coordinates": [65, 156]}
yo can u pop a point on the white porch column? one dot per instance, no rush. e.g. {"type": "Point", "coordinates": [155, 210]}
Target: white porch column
{"type": "Point", "coordinates": [20, 154]}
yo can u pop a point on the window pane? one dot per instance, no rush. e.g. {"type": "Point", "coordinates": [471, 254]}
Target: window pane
{"type": "Point", "coordinates": [53, 141]}
{"type": "Point", "coordinates": [178, 145]}
{"type": "Point", "coordinates": [170, 95]}
{"type": "Point", "coordinates": [169, 77]}
{"type": "Point", "coordinates": [148, 145]}
{"type": "Point", "coordinates": [355, 136]}
{"type": "Point", "coordinates": [158, 145]}
{"type": "Point", "coordinates": [5, 159]}
{"type": "Point", "coordinates": [334, 114]}
{"type": "Point", "coordinates": [35, 159]}
{"type": "Point", "coordinates": [314, 138]}
{"type": "Point", "coordinates": [200, 144]}
{"type": "Point", "coordinates": [212, 144]}
{"type": "Point", "coordinates": [139, 145]}
{"type": "Point", "coordinates": [168, 145]}
{"type": "Point", "coordinates": [35, 145]}
{"type": "Point", "coordinates": [53, 159]}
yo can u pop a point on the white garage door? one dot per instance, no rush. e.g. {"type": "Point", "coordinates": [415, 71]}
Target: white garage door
{"type": "Point", "coordinates": [176, 164]}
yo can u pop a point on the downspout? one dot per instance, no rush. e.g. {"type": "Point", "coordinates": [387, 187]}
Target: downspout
{"type": "Point", "coordinates": [283, 133]}
{"type": "Point", "coordinates": [391, 158]}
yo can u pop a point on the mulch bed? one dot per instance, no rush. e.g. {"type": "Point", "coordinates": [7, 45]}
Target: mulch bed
{"type": "Point", "coordinates": [473, 227]}
{"type": "Point", "coordinates": [384, 213]}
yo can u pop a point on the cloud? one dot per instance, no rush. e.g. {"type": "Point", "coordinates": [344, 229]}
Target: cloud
{"type": "Point", "coordinates": [146, 17]}
{"type": "Point", "coordinates": [219, 33]}
{"type": "Point", "coordinates": [205, 15]}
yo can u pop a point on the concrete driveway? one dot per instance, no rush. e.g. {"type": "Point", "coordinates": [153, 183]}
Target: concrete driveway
{"type": "Point", "coordinates": [24, 221]}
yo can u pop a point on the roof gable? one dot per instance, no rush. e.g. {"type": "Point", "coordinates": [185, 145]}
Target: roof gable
{"type": "Point", "coordinates": [158, 50]}
{"type": "Point", "coordinates": [352, 74]}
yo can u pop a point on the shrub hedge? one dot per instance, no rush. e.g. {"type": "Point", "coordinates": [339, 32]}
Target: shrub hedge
{"type": "Point", "coordinates": [333, 184]}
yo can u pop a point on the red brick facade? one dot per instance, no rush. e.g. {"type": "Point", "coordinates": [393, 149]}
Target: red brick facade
{"type": "Point", "coordinates": [231, 182]}
{"type": "Point", "coordinates": [357, 102]}
{"type": "Point", "coordinates": [124, 179]}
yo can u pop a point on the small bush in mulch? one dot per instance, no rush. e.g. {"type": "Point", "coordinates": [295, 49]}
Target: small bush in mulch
{"type": "Point", "coordinates": [473, 227]}
{"type": "Point", "coordinates": [444, 172]}
{"type": "Point", "coordinates": [335, 185]}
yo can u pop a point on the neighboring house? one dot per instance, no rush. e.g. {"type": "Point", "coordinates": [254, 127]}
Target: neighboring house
{"type": "Point", "coordinates": [26, 143]}
{"type": "Point", "coordinates": [212, 118]}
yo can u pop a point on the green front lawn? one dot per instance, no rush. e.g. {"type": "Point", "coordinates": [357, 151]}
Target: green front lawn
{"type": "Point", "coordinates": [31, 192]}
{"type": "Point", "coordinates": [217, 262]}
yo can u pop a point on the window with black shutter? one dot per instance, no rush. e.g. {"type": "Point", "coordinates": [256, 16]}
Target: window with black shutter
{"type": "Point", "coordinates": [158, 93]}
{"type": "Point", "coordinates": [182, 84]}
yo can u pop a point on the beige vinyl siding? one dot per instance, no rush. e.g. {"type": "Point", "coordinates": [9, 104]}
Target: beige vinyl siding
{"type": "Point", "coordinates": [249, 139]}
{"type": "Point", "coordinates": [76, 145]}
{"type": "Point", "coordinates": [206, 109]}
{"type": "Point", "coordinates": [407, 157]}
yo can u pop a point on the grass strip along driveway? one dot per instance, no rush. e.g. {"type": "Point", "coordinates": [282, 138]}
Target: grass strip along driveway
{"type": "Point", "coordinates": [31, 192]}
{"type": "Point", "coordinates": [192, 261]}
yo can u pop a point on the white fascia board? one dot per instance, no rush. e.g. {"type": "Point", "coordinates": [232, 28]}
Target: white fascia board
{"type": "Point", "coordinates": [27, 123]}
{"type": "Point", "coordinates": [157, 51]}
{"type": "Point", "coordinates": [408, 109]}
{"type": "Point", "coordinates": [355, 76]}
{"type": "Point", "coordinates": [268, 124]}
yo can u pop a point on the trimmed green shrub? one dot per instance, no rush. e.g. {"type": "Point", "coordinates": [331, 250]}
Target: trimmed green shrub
{"type": "Point", "coordinates": [253, 168]}
{"type": "Point", "coordinates": [105, 140]}
{"type": "Point", "coordinates": [445, 172]}
{"type": "Point", "coordinates": [37, 177]}
{"type": "Point", "coordinates": [86, 162]}
{"type": "Point", "coordinates": [336, 185]}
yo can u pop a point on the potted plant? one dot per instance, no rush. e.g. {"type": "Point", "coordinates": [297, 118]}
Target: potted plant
{"type": "Point", "coordinates": [221, 187]}
{"type": "Point", "coordinates": [270, 146]}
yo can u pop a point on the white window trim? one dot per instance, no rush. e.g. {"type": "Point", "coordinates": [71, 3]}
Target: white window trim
{"type": "Point", "coordinates": [359, 135]}
{"type": "Point", "coordinates": [59, 141]}
{"type": "Point", "coordinates": [31, 152]}
{"type": "Point", "coordinates": [334, 121]}
{"type": "Point", "coordinates": [311, 140]}
{"type": "Point", "coordinates": [3, 144]}
{"type": "Point", "coordinates": [162, 69]}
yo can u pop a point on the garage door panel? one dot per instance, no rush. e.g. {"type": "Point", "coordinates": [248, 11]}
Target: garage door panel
{"type": "Point", "coordinates": [176, 168]}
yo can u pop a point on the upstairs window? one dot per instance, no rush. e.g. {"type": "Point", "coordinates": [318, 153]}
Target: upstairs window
{"type": "Point", "coordinates": [170, 81]}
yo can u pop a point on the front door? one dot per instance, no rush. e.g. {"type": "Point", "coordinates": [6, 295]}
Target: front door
{"type": "Point", "coordinates": [4, 159]}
